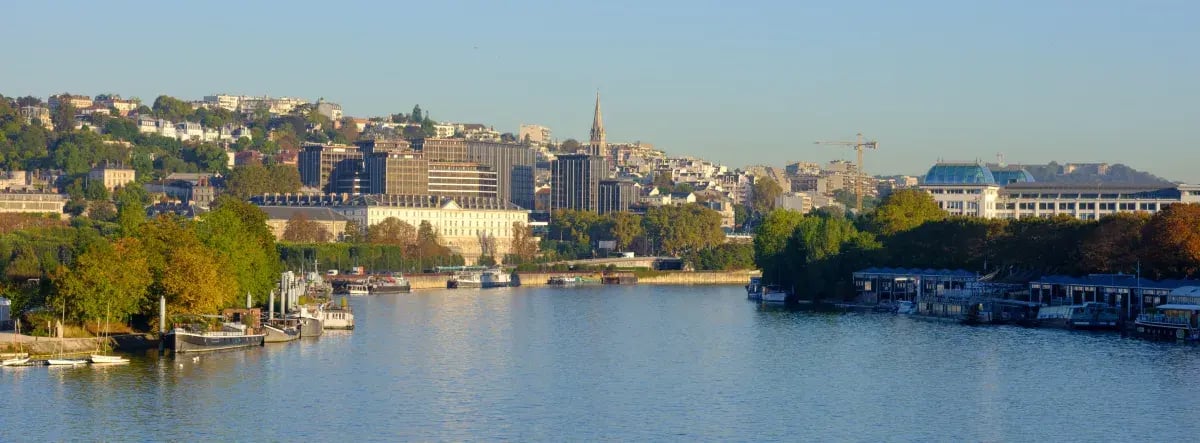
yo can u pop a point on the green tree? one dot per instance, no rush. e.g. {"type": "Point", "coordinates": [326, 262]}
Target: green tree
{"type": "Point", "coordinates": [237, 232]}
{"type": "Point", "coordinates": [765, 190]}
{"type": "Point", "coordinates": [173, 109]}
{"type": "Point", "coordinates": [108, 280]}
{"type": "Point", "coordinates": [681, 230]}
{"type": "Point", "coordinates": [416, 114]}
{"type": "Point", "coordinates": [354, 232]}
{"type": "Point", "coordinates": [246, 181]}
{"type": "Point", "coordinates": [570, 145]}
{"type": "Point", "coordinates": [905, 209]}
{"type": "Point", "coordinates": [770, 239]}
{"type": "Point", "coordinates": [626, 227]}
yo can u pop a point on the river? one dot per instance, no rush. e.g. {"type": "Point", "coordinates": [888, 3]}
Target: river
{"type": "Point", "coordinates": [626, 363]}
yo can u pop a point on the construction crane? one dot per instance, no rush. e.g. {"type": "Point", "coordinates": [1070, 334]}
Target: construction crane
{"type": "Point", "coordinates": [858, 145]}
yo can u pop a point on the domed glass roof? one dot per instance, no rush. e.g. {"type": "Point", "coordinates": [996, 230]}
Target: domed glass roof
{"type": "Point", "coordinates": [959, 174]}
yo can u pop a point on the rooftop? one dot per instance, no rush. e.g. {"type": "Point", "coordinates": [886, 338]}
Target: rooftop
{"type": "Point", "coordinates": [975, 174]}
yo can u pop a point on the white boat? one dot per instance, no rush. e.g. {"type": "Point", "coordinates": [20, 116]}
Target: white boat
{"type": "Point", "coordinates": [357, 289]}
{"type": "Point", "coordinates": [66, 362]}
{"type": "Point", "coordinates": [465, 279]}
{"type": "Point", "coordinates": [16, 361]}
{"type": "Point", "coordinates": [330, 316]}
{"type": "Point", "coordinates": [563, 281]}
{"type": "Point", "coordinates": [108, 359]}
{"type": "Point", "coordinates": [495, 278]}
{"type": "Point", "coordinates": [773, 294]}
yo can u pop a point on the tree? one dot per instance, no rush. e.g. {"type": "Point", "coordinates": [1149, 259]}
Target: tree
{"type": "Point", "coordinates": [770, 239]}
{"type": "Point", "coordinates": [626, 227]}
{"type": "Point", "coordinates": [905, 209]}
{"type": "Point", "coordinates": [172, 109]}
{"type": "Point", "coordinates": [524, 246]}
{"type": "Point", "coordinates": [416, 114]}
{"type": "Point", "coordinates": [1172, 239]}
{"type": "Point", "coordinates": [246, 181]}
{"type": "Point", "coordinates": [765, 191]}
{"type": "Point", "coordinates": [237, 233]}
{"type": "Point", "coordinates": [392, 231]}
{"type": "Point", "coordinates": [354, 232]}
{"type": "Point", "coordinates": [1112, 245]}
{"type": "Point", "coordinates": [108, 280]}
{"type": "Point", "coordinates": [302, 230]}
{"type": "Point", "coordinates": [570, 145]}
{"type": "Point", "coordinates": [682, 230]}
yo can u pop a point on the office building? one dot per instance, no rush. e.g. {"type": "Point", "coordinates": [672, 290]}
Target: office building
{"type": "Point", "coordinates": [514, 167]}
{"type": "Point", "coordinates": [321, 165]}
{"type": "Point", "coordinates": [575, 182]}
{"type": "Point", "coordinates": [616, 195]}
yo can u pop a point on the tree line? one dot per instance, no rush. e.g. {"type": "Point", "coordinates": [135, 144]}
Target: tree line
{"type": "Point", "coordinates": [690, 231]}
{"type": "Point", "coordinates": [815, 254]}
{"type": "Point", "coordinates": [96, 270]}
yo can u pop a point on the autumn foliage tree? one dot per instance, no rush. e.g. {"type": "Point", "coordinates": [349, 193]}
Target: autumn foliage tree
{"type": "Point", "coordinates": [392, 231]}
{"type": "Point", "coordinates": [1172, 241]}
{"type": "Point", "coordinates": [524, 245]}
{"type": "Point", "coordinates": [302, 230]}
{"type": "Point", "coordinates": [108, 281]}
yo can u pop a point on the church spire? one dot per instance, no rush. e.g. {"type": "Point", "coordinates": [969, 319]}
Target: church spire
{"type": "Point", "coordinates": [596, 146]}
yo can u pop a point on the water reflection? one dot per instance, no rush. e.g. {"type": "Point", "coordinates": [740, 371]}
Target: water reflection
{"type": "Point", "coordinates": [625, 363]}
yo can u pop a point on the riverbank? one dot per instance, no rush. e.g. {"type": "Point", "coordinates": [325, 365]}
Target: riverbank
{"type": "Point", "coordinates": [538, 278]}
{"type": "Point", "coordinates": [41, 346]}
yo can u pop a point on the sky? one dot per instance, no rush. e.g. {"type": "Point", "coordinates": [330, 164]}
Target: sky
{"type": "Point", "coordinates": [738, 82]}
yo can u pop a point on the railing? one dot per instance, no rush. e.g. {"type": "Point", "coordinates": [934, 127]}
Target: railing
{"type": "Point", "coordinates": [1164, 319]}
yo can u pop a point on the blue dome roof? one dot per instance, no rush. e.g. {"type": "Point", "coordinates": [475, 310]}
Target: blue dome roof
{"type": "Point", "coordinates": [1005, 176]}
{"type": "Point", "coordinates": [959, 174]}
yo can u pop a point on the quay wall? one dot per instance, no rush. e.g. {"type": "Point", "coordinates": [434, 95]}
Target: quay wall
{"type": "Point", "coordinates": [535, 279]}
{"type": "Point", "coordinates": [428, 281]}
{"type": "Point", "coordinates": [698, 278]}
{"type": "Point", "coordinates": [51, 345]}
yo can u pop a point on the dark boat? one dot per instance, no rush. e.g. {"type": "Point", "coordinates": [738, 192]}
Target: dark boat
{"type": "Point", "coordinates": [281, 330]}
{"type": "Point", "coordinates": [392, 284]}
{"type": "Point", "coordinates": [232, 334]}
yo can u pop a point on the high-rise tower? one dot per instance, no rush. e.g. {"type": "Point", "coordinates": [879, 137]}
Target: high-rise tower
{"type": "Point", "coordinates": [597, 146]}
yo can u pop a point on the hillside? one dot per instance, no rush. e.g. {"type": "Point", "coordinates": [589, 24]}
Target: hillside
{"type": "Point", "coordinates": [1093, 173]}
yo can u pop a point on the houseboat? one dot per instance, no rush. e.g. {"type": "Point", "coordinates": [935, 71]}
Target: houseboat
{"type": "Point", "coordinates": [238, 328]}
{"type": "Point", "coordinates": [754, 288]}
{"type": "Point", "coordinates": [465, 280]}
{"type": "Point", "coordinates": [330, 316]}
{"type": "Point", "coordinates": [391, 284]}
{"type": "Point", "coordinates": [1092, 315]}
{"type": "Point", "coordinates": [495, 278]}
{"type": "Point", "coordinates": [564, 281]}
{"type": "Point", "coordinates": [773, 294]}
{"type": "Point", "coordinates": [1170, 322]}
{"type": "Point", "coordinates": [282, 330]}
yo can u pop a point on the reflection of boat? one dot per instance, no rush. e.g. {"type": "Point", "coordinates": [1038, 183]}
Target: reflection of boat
{"type": "Point", "coordinates": [233, 333]}
{"type": "Point", "coordinates": [1085, 316]}
{"type": "Point", "coordinates": [1172, 321]}
{"type": "Point", "coordinates": [391, 284]}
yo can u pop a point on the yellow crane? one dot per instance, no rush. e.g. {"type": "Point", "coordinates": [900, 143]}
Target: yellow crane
{"type": "Point", "coordinates": [858, 145]}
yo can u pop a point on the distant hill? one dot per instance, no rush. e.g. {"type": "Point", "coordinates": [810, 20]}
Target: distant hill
{"type": "Point", "coordinates": [1093, 173]}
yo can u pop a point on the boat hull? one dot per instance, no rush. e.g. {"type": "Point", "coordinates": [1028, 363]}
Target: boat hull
{"type": "Point", "coordinates": [182, 342]}
{"type": "Point", "coordinates": [774, 297]}
{"type": "Point", "coordinates": [65, 362]}
{"type": "Point", "coordinates": [391, 289]}
{"type": "Point", "coordinates": [277, 335]}
{"type": "Point", "coordinates": [311, 327]}
{"type": "Point", "coordinates": [108, 359]}
{"type": "Point", "coordinates": [1166, 331]}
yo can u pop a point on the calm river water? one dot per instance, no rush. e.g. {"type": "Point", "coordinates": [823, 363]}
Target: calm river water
{"type": "Point", "coordinates": [627, 363]}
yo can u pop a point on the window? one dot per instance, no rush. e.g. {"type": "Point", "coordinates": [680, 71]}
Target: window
{"type": "Point", "coordinates": [1087, 206]}
{"type": "Point", "coordinates": [973, 206]}
{"type": "Point", "coordinates": [1066, 206]}
{"type": "Point", "coordinates": [1045, 206]}
{"type": "Point", "coordinates": [1149, 206]}
{"type": "Point", "coordinates": [1128, 206]}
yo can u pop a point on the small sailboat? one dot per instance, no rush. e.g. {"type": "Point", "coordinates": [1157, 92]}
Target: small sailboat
{"type": "Point", "coordinates": [18, 359]}
{"type": "Point", "coordinates": [61, 338]}
{"type": "Point", "coordinates": [107, 359]}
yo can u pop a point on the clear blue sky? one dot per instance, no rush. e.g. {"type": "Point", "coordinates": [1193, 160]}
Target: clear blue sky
{"type": "Point", "coordinates": [737, 82]}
